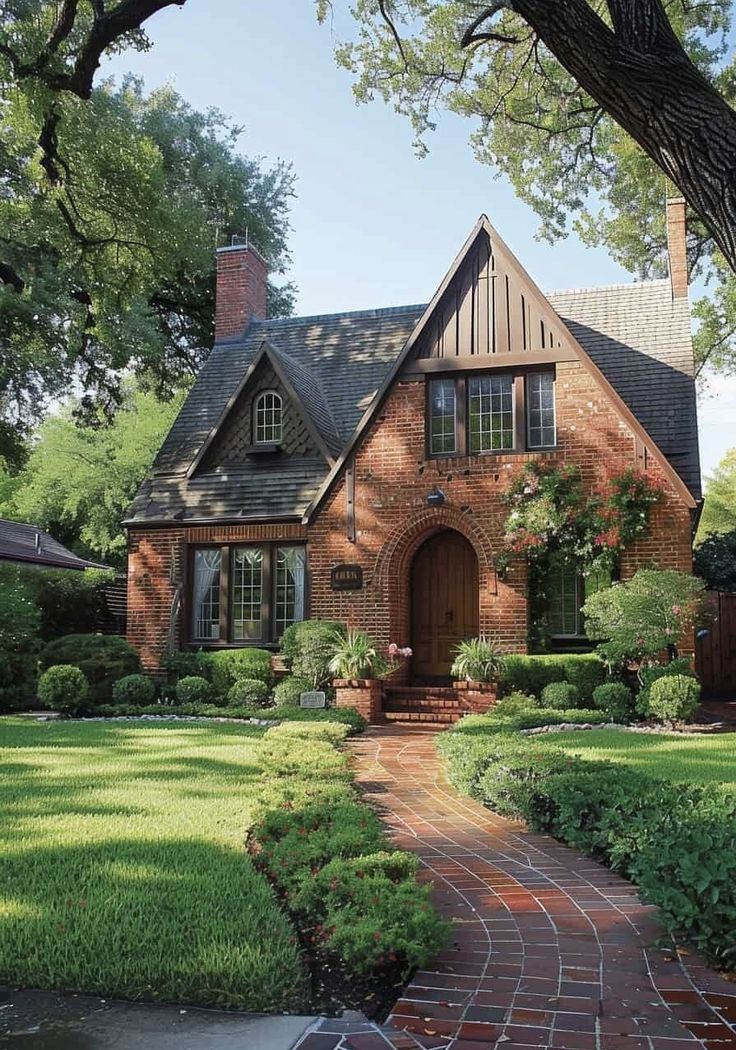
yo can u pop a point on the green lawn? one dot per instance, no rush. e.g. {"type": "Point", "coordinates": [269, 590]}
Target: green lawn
{"type": "Point", "coordinates": [696, 758]}
{"type": "Point", "coordinates": [122, 868]}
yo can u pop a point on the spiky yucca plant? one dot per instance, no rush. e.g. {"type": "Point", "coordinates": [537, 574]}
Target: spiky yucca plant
{"type": "Point", "coordinates": [477, 660]}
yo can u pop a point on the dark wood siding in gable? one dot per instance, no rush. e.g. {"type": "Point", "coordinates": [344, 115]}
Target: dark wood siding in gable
{"type": "Point", "coordinates": [229, 448]}
{"type": "Point", "coordinates": [489, 309]}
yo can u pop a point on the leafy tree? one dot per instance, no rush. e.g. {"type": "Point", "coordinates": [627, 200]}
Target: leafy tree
{"type": "Point", "coordinates": [719, 510]}
{"type": "Point", "coordinates": [78, 482]}
{"type": "Point", "coordinates": [643, 616]}
{"type": "Point", "coordinates": [107, 237]}
{"type": "Point", "coordinates": [715, 561]}
{"type": "Point", "coordinates": [594, 109]}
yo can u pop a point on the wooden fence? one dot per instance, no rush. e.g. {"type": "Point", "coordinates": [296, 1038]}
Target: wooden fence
{"type": "Point", "coordinates": [715, 651]}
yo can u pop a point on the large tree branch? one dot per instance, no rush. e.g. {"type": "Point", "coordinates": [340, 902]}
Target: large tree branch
{"type": "Point", "coordinates": [640, 74]}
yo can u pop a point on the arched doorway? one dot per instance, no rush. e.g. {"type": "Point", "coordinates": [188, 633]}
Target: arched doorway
{"type": "Point", "coordinates": [444, 602]}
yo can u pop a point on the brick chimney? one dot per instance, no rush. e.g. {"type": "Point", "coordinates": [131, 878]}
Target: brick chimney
{"type": "Point", "coordinates": [242, 275]}
{"type": "Point", "coordinates": [677, 245]}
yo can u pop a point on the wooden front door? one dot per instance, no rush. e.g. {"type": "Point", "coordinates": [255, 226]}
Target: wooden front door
{"type": "Point", "coordinates": [444, 602]}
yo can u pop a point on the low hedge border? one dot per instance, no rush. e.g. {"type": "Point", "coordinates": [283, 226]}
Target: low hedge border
{"type": "Point", "coordinates": [351, 897]}
{"type": "Point", "coordinates": [675, 841]}
{"type": "Point", "coordinates": [345, 715]}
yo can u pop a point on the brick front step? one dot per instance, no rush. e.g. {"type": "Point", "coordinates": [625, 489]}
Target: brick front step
{"type": "Point", "coordinates": [421, 703]}
{"type": "Point", "coordinates": [426, 717]}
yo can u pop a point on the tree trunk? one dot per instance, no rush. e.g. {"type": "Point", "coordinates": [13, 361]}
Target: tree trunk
{"type": "Point", "coordinates": [642, 77]}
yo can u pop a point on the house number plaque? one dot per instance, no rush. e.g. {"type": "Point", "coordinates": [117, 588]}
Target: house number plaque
{"type": "Point", "coordinates": [346, 578]}
{"type": "Point", "coordinates": [314, 699]}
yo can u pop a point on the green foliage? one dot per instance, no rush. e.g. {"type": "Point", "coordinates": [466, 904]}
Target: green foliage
{"type": "Point", "coordinates": [135, 690]}
{"type": "Point", "coordinates": [19, 636]}
{"type": "Point", "coordinates": [714, 560]}
{"type": "Point", "coordinates": [515, 702]}
{"type": "Point", "coordinates": [530, 674]}
{"type": "Point", "coordinates": [560, 696]}
{"type": "Point", "coordinates": [288, 690]}
{"type": "Point", "coordinates": [103, 659]}
{"type": "Point", "coordinates": [675, 841]}
{"type": "Point", "coordinates": [248, 692]}
{"type": "Point", "coordinates": [228, 666]}
{"type": "Point", "coordinates": [347, 716]}
{"type": "Point", "coordinates": [307, 649]}
{"type": "Point", "coordinates": [113, 234]}
{"type": "Point", "coordinates": [648, 676]}
{"type": "Point", "coordinates": [182, 664]}
{"type": "Point", "coordinates": [477, 660]}
{"type": "Point", "coordinates": [616, 699]}
{"type": "Point", "coordinates": [643, 616]}
{"type": "Point", "coordinates": [79, 482]}
{"type": "Point", "coordinates": [355, 656]}
{"type": "Point", "coordinates": [719, 509]}
{"type": "Point", "coordinates": [674, 698]}
{"type": "Point", "coordinates": [64, 688]}
{"type": "Point", "coordinates": [193, 690]}
{"type": "Point", "coordinates": [325, 851]}
{"type": "Point", "coordinates": [561, 151]}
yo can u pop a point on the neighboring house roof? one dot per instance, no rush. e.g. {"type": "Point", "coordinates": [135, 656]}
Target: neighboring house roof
{"type": "Point", "coordinates": [29, 545]}
{"type": "Point", "coordinates": [636, 335]}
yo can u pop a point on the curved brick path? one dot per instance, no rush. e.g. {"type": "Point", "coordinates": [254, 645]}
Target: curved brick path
{"type": "Point", "coordinates": [549, 948]}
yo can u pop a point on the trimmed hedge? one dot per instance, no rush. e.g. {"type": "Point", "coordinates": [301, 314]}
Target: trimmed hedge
{"type": "Point", "coordinates": [530, 674]}
{"type": "Point", "coordinates": [345, 715]}
{"type": "Point", "coordinates": [102, 658]}
{"type": "Point", "coordinates": [325, 851]}
{"type": "Point", "coordinates": [228, 666]}
{"type": "Point", "coordinates": [676, 841]}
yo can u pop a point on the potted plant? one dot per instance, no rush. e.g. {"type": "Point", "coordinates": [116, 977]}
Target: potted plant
{"type": "Point", "coordinates": [358, 666]}
{"type": "Point", "coordinates": [477, 665]}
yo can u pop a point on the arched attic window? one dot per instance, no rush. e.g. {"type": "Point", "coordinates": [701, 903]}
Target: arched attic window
{"type": "Point", "coordinates": [267, 418]}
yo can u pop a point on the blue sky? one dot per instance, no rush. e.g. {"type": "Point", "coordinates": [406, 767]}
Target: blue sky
{"type": "Point", "coordinates": [372, 224]}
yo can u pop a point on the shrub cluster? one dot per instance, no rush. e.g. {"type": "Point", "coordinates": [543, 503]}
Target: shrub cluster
{"type": "Point", "coordinates": [248, 692]}
{"type": "Point", "coordinates": [560, 696]}
{"type": "Point", "coordinates": [193, 690]}
{"type": "Point", "coordinates": [288, 690]}
{"type": "Point", "coordinates": [307, 649]}
{"type": "Point", "coordinates": [102, 658]}
{"type": "Point", "coordinates": [530, 674]}
{"type": "Point", "coordinates": [616, 699]}
{"type": "Point", "coordinates": [345, 715]}
{"type": "Point", "coordinates": [649, 675]}
{"type": "Point", "coordinates": [674, 840]}
{"type": "Point", "coordinates": [134, 690]}
{"type": "Point", "coordinates": [674, 698]}
{"type": "Point", "coordinates": [325, 851]}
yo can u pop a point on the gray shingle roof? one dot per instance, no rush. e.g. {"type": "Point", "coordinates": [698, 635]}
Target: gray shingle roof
{"type": "Point", "coordinates": [636, 335]}
{"type": "Point", "coordinates": [640, 338]}
{"type": "Point", "coordinates": [30, 545]}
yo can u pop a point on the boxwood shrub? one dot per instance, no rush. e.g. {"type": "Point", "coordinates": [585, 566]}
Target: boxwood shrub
{"type": "Point", "coordinates": [102, 658]}
{"type": "Point", "coordinates": [674, 840]}
{"type": "Point", "coordinates": [134, 690]}
{"type": "Point", "coordinates": [227, 666]}
{"type": "Point", "coordinates": [248, 692]}
{"type": "Point", "coordinates": [530, 674]}
{"type": "Point", "coordinates": [63, 688]}
{"type": "Point", "coordinates": [288, 690]}
{"type": "Point", "coordinates": [325, 851]}
{"type": "Point", "coordinates": [560, 696]}
{"type": "Point", "coordinates": [193, 690]}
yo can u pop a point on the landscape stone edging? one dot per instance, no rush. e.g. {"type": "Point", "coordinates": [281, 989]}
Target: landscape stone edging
{"type": "Point", "coordinates": [567, 727]}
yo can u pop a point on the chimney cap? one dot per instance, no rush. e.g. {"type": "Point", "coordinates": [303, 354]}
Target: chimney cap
{"type": "Point", "coordinates": [240, 243]}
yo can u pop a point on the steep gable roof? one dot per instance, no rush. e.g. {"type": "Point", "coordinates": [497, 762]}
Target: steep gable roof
{"type": "Point", "coordinates": [634, 338]}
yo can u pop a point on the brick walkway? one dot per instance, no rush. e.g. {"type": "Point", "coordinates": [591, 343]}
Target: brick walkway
{"type": "Point", "coordinates": [549, 949]}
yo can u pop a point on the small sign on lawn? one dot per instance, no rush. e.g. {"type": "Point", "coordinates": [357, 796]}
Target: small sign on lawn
{"type": "Point", "coordinates": [313, 699]}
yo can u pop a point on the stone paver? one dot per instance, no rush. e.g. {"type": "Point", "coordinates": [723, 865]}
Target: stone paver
{"type": "Point", "coordinates": [549, 949]}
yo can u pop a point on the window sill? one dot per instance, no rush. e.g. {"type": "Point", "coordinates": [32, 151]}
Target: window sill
{"type": "Point", "coordinates": [191, 645]}
{"type": "Point", "coordinates": [500, 452]}
{"type": "Point", "coordinates": [262, 450]}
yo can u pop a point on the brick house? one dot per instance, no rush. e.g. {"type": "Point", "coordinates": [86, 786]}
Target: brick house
{"type": "Point", "coordinates": [350, 466]}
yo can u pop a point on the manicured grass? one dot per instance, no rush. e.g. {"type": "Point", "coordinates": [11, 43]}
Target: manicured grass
{"type": "Point", "coordinates": [696, 759]}
{"type": "Point", "coordinates": [122, 867]}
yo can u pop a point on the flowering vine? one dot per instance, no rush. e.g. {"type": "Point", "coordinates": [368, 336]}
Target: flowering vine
{"type": "Point", "coordinates": [551, 515]}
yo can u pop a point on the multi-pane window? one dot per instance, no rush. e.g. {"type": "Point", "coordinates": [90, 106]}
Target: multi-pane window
{"type": "Point", "coordinates": [567, 591]}
{"type": "Point", "coordinates": [490, 413]}
{"type": "Point", "coordinates": [247, 589]}
{"type": "Point", "coordinates": [540, 399]}
{"type": "Point", "coordinates": [246, 594]}
{"type": "Point", "coordinates": [268, 418]}
{"type": "Point", "coordinates": [290, 565]}
{"type": "Point", "coordinates": [442, 417]}
{"type": "Point", "coordinates": [206, 595]}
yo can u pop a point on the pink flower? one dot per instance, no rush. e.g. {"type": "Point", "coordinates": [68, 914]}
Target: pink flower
{"type": "Point", "coordinates": [677, 609]}
{"type": "Point", "coordinates": [393, 650]}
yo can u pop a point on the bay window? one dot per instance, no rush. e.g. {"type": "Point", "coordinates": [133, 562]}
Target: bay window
{"type": "Point", "coordinates": [246, 594]}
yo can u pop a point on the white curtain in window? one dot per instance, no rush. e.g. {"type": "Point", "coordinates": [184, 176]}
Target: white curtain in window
{"type": "Point", "coordinates": [294, 561]}
{"type": "Point", "coordinates": [206, 570]}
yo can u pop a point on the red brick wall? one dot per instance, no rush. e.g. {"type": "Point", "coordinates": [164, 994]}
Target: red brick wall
{"type": "Point", "coordinates": [241, 290]}
{"type": "Point", "coordinates": [157, 564]}
{"type": "Point", "coordinates": [392, 480]}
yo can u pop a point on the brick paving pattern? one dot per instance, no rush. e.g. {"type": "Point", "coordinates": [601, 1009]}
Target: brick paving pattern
{"type": "Point", "coordinates": [549, 949]}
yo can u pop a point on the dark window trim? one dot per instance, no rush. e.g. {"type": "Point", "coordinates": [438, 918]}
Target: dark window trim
{"type": "Point", "coordinates": [254, 420]}
{"type": "Point", "coordinates": [519, 410]}
{"type": "Point", "coordinates": [268, 640]}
